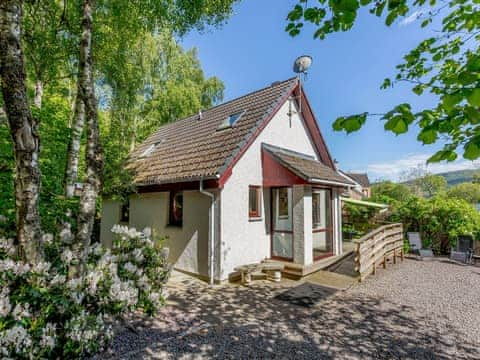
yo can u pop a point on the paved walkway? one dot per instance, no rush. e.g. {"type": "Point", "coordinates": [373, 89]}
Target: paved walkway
{"type": "Point", "coordinates": [413, 310]}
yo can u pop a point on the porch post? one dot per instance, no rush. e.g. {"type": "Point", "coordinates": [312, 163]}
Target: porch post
{"type": "Point", "coordinates": [302, 224]}
{"type": "Point", "coordinates": [337, 222]}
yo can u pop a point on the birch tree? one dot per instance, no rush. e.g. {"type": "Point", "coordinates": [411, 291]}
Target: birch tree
{"type": "Point", "coordinates": [94, 161]}
{"type": "Point", "coordinates": [23, 129]}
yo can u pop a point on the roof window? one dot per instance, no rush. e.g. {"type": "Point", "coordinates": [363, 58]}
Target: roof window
{"type": "Point", "coordinates": [150, 148]}
{"type": "Point", "coordinates": [231, 120]}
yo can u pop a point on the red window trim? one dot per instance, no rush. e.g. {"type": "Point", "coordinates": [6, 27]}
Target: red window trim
{"type": "Point", "coordinates": [258, 212]}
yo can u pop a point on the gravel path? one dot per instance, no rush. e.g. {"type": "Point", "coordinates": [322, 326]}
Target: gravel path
{"type": "Point", "coordinates": [413, 310]}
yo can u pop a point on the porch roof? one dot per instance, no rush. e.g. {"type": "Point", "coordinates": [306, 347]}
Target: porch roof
{"type": "Point", "coordinates": [306, 167]}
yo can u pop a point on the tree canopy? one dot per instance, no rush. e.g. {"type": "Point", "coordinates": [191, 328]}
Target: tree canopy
{"type": "Point", "coordinates": [446, 65]}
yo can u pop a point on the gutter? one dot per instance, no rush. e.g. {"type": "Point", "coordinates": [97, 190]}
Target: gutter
{"type": "Point", "coordinates": [212, 228]}
{"type": "Point", "coordinates": [327, 182]}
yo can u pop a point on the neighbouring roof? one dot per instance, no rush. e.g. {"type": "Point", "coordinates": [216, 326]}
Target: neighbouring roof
{"type": "Point", "coordinates": [360, 178]}
{"type": "Point", "coordinates": [202, 147]}
{"type": "Point", "coordinates": [305, 166]}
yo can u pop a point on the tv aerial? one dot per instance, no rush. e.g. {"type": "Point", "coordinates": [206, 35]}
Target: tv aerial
{"type": "Point", "coordinates": [300, 67]}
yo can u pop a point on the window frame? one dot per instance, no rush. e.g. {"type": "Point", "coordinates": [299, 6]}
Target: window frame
{"type": "Point", "coordinates": [172, 221]}
{"type": "Point", "coordinates": [125, 212]}
{"type": "Point", "coordinates": [258, 191]}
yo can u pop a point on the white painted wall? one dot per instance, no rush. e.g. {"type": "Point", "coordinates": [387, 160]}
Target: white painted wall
{"type": "Point", "coordinates": [188, 244]}
{"type": "Point", "coordinates": [244, 241]}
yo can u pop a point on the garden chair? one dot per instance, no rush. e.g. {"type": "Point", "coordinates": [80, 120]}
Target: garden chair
{"type": "Point", "coordinates": [415, 242]}
{"type": "Point", "coordinates": [463, 251]}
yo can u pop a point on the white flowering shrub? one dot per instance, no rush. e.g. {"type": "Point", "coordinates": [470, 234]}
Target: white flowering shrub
{"type": "Point", "coordinates": [44, 314]}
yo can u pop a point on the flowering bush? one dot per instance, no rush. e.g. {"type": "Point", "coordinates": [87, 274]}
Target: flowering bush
{"type": "Point", "coordinates": [44, 314]}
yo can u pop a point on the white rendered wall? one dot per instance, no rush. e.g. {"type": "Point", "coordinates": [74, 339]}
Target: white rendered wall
{"type": "Point", "coordinates": [244, 241]}
{"type": "Point", "coordinates": [302, 225]}
{"type": "Point", "coordinates": [188, 244]}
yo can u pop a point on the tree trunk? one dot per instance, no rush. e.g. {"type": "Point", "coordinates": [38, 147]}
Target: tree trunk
{"type": "Point", "coordinates": [94, 161]}
{"type": "Point", "coordinates": [71, 170]}
{"type": "Point", "coordinates": [38, 96]}
{"type": "Point", "coordinates": [24, 132]}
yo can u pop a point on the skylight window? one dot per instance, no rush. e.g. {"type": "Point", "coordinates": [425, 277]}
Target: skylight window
{"type": "Point", "coordinates": [231, 120]}
{"type": "Point", "coordinates": [150, 148]}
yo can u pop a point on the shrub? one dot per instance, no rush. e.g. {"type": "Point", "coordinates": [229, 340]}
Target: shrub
{"type": "Point", "coordinates": [43, 314]}
{"type": "Point", "coordinates": [440, 220]}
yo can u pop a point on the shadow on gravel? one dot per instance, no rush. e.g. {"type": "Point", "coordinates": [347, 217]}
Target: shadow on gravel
{"type": "Point", "coordinates": [249, 323]}
{"type": "Point", "coordinates": [306, 294]}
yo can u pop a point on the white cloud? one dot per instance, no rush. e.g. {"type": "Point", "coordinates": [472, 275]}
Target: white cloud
{"type": "Point", "coordinates": [413, 17]}
{"type": "Point", "coordinates": [394, 168]}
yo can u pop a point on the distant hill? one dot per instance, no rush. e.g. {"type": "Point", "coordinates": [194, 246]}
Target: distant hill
{"type": "Point", "coordinates": [455, 177]}
{"type": "Point", "coordinates": [458, 177]}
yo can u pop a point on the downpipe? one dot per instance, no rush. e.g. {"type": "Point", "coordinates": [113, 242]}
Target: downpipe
{"type": "Point", "coordinates": [212, 228]}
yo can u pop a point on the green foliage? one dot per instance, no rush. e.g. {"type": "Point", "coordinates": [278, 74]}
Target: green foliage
{"type": "Point", "coordinates": [54, 132]}
{"type": "Point", "coordinates": [440, 220]}
{"type": "Point", "coordinates": [45, 315]}
{"type": "Point", "coordinates": [390, 192]}
{"type": "Point", "coordinates": [358, 219]}
{"type": "Point", "coordinates": [447, 66]}
{"type": "Point", "coordinates": [7, 198]}
{"type": "Point", "coordinates": [470, 192]}
{"type": "Point", "coordinates": [429, 185]}
{"type": "Point", "coordinates": [154, 81]}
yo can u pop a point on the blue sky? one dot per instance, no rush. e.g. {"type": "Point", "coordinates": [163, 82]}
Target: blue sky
{"type": "Point", "coordinates": [252, 50]}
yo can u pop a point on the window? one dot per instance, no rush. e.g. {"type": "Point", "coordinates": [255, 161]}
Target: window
{"type": "Point", "coordinates": [321, 209]}
{"type": "Point", "coordinates": [254, 205]}
{"type": "Point", "coordinates": [125, 212]}
{"type": "Point", "coordinates": [231, 120]}
{"type": "Point", "coordinates": [176, 208]}
{"type": "Point", "coordinates": [150, 148]}
{"type": "Point", "coordinates": [283, 203]}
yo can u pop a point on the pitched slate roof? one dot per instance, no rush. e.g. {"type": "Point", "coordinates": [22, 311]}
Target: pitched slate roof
{"type": "Point", "coordinates": [360, 178]}
{"type": "Point", "coordinates": [305, 166]}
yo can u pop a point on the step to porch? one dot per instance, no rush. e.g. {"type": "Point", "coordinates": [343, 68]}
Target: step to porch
{"type": "Point", "coordinates": [297, 271]}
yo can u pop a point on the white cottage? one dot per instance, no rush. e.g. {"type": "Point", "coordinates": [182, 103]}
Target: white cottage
{"type": "Point", "coordinates": [247, 180]}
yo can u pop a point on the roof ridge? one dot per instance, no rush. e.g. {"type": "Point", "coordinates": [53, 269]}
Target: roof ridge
{"type": "Point", "coordinates": [273, 84]}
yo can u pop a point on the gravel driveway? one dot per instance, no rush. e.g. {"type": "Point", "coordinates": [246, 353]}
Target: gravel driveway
{"type": "Point", "coordinates": [413, 310]}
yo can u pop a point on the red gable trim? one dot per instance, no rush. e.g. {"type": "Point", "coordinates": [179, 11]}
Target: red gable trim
{"type": "Point", "coordinates": [275, 174]}
{"type": "Point", "coordinates": [310, 122]}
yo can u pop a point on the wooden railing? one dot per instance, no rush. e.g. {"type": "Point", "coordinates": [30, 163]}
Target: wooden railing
{"type": "Point", "coordinates": [376, 247]}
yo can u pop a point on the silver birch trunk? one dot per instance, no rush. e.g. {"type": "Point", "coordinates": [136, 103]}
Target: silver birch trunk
{"type": "Point", "coordinates": [38, 95]}
{"type": "Point", "coordinates": [94, 161]}
{"type": "Point", "coordinates": [24, 131]}
{"type": "Point", "coordinates": [71, 170]}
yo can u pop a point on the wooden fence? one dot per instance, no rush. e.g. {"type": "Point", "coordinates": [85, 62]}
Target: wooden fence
{"type": "Point", "coordinates": [376, 247]}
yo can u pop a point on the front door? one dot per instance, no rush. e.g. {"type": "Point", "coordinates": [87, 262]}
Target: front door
{"type": "Point", "coordinates": [282, 223]}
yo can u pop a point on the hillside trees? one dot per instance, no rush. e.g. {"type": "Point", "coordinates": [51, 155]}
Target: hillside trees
{"type": "Point", "coordinates": [445, 64]}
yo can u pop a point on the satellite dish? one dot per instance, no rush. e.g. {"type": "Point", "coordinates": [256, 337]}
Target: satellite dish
{"type": "Point", "coordinates": [302, 63]}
